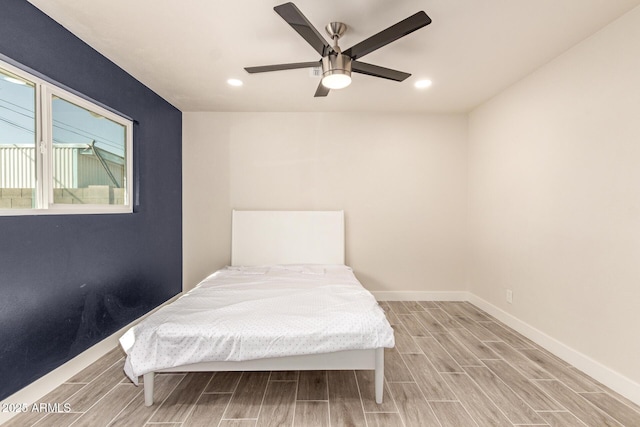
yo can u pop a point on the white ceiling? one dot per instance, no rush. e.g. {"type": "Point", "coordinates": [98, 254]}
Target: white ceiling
{"type": "Point", "coordinates": [186, 50]}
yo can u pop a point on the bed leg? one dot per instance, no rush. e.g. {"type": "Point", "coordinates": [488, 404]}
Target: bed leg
{"type": "Point", "coordinates": [148, 388]}
{"type": "Point", "coordinates": [379, 376]}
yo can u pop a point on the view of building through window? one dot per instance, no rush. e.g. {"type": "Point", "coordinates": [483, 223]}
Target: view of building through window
{"type": "Point", "coordinates": [88, 152]}
{"type": "Point", "coordinates": [17, 141]}
{"type": "Point", "coordinates": [84, 161]}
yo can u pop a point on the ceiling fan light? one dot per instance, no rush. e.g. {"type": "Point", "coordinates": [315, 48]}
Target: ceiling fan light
{"type": "Point", "coordinates": [336, 80]}
{"type": "Point", "coordinates": [336, 71]}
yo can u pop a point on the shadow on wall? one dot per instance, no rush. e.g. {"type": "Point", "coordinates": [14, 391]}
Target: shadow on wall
{"type": "Point", "coordinates": [99, 313]}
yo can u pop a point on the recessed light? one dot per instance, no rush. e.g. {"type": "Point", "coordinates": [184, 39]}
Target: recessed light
{"type": "Point", "coordinates": [423, 84]}
{"type": "Point", "coordinates": [234, 82]}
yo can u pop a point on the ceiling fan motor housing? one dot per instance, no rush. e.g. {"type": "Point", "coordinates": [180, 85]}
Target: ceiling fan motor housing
{"type": "Point", "coordinates": [336, 63]}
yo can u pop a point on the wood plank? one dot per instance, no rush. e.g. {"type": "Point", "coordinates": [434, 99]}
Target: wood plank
{"type": "Point", "coordinates": [508, 335]}
{"type": "Point", "coordinates": [413, 326]}
{"type": "Point", "coordinates": [345, 407]}
{"type": "Point", "coordinates": [477, 404]}
{"type": "Point", "coordinates": [443, 318]}
{"type": "Point", "coordinates": [312, 385]}
{"type": "Point", "coordinates": [234, 423]}
{"type": "Point", "coordinates": [412, 406]}
{"type": "Point", "coordinates": [452, 414]}
{"type": "Point", "coordinates": [465, 310]}
{"type": "Point", "coordinates": [398, 307]}
{"type": "Point", "coordinates": [576, 404]}
{"type": "Point", "coordinates": [458, 352]}
{"type": "Point", "coordinates": [479, 331]}
{"type": "Point", "coordinates": [428, 304]}
{"type": "Point", "coordinates": [90, 393]}
{"type": "Point", "coordinates": [366, 385]}
{"type": "Point", "coordinates": [384, 420]}
{"type": "Point", "coordinates": [523, 387]}
{"type": "Point", "coordinates": [395, 369]}
{"type": "Point", "coordinates": [311, 414]}
{"type": "Point", "coordinates": [393, 318]}
{"type": "Point", "coordinates": [136, 413]}
{"type": "Point", "coordinates": [516, 410]}
{"type": "Point", "coordinates": [58, 420]}
{"type": "Point", "coordinates": [208, 410]}
{"type": "Point", "coordinates": [437, 355]}
{"type": "Point", "coordinates": [561, 419]}
{"type": "Point", "coordinates": [614, 408]}
{"type": "Point", "coordinates": [618, 396]}
{"type": "Point", "coordinates": [278, 405]}
{"type": "Point", "coordinates": [428, 379]}
{"type": "Point", "coordinates": [413, 305]}
{"type": "Point", "coordinates": [475, 313]}
{"type": "Point", "coordinates": [163, 424]}
{"type": "Point", "coordinates": [429, 322]}
{"type": "Point", "coordinates": [384, 305]}
{"type": "Point", "coordinates": [223, 382]}
{"type": "Point", "coordinates": [61, 394]}
{"type": "Point", "coordinates": [477, 347]}
{"type": "Point", "coordinates": [404, 341]}
{"type": "Point", "coordinates": [179, 403]}
{"type": "Point", "coordinates": [519, 361]}
{"type": "Point", "coordinates": [454, 309]}
{"type": "Point", "coordinates": [575, 381]}
{"type": "Point", "coordinates": [284, 376]}
{"type": "Point", "coordinates": [108, 406]}
{"type": "Point", "coordinates": [248, 396]}
{"type": "Point", "coordinates": [98, 367]}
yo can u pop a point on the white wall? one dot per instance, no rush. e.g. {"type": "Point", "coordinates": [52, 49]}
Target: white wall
{"type": "Point", "coordinates": [206, 219]}
{"type": "Point", "coordinates": [401, 180]}
{"type": "Point", "coordinates": [554, 198]}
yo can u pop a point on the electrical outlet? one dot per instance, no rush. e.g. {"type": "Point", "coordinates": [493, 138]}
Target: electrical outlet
{"type": "Point", "coordinates": [509, 296]}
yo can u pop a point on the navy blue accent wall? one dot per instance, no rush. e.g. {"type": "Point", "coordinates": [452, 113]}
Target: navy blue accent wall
{"type": "Point", "coordinates": [69, 281]}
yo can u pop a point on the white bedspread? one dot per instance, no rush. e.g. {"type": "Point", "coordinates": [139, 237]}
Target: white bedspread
{"type": "Point", "coordinates": [243, 313]}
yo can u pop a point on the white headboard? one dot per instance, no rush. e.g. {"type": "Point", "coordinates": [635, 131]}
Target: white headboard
{"type": "Point", "coordinates": [287, 237]}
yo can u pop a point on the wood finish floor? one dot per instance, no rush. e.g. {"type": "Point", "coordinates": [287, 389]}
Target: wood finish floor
{"type": "Point", "coordinates": [453, 365]}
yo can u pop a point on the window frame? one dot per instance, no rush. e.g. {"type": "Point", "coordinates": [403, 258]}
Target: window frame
{"type": "Point", "coordinates": [43, 147]}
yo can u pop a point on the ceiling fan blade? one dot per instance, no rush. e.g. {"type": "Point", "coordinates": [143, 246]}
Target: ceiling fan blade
{"type": "Point", "coordinates": [377, 71]}
{"type": "Point", "coordinates": [290, 13]}
{"type": "Point", "coordinates": [393, 33]}
{"type": "Point", "coordinates": [278, 67]}
{"type": "Point", "coordinates": [322, 90]}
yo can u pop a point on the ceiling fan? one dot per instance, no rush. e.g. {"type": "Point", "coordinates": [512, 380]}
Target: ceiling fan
{"type": "Point", "coordinates": [336, 64]}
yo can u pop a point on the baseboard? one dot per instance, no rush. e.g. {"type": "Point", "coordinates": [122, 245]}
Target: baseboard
{"type": "Point", "coordinates": [421, 295]}
{"type": "Point", "coordinates": [607, 376]}
{"type": "Point", "coordinates": [39, 388]}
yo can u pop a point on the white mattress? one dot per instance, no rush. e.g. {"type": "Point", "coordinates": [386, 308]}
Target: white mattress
{"type": "Point", "coordinates": [244, 313]}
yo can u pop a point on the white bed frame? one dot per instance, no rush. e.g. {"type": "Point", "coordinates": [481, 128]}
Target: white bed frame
{"type": "Point", "coordinates": [288, 237]}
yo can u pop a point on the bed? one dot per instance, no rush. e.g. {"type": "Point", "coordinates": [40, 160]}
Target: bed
{"type": "Point", "coordinates": [286, 302]}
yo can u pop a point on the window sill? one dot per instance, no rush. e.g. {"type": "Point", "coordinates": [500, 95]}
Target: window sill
{"type": "Point", "coordinates": [85, 210]}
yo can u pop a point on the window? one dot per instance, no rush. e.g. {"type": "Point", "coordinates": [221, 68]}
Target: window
{"type": "Point", "coordinates": [60, 153]}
